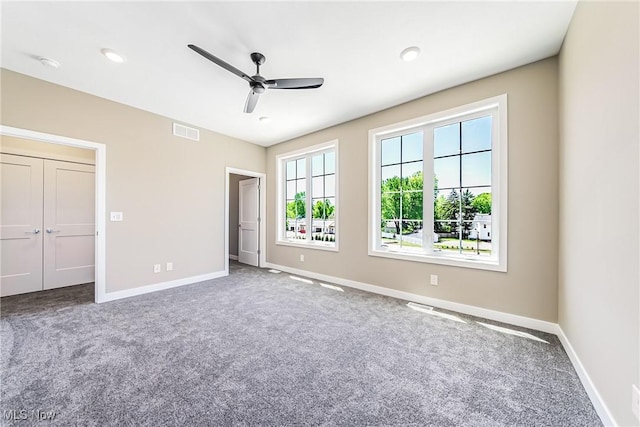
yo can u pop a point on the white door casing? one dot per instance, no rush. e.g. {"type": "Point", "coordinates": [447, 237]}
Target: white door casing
{"type": "Point", "coordinates": [69, 228]}
{"type": "Point", "coordinates": [101, 294]}
{"type": "Point", "coordinates": [21, 231]}
{"type": "Point", "coordinates": [248, 221]}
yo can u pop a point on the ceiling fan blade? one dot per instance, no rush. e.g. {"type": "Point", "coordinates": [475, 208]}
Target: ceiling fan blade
{"type": "Point", "coordinates": [220, 62]}
{"type": "Point", "coordinates": [252, 100]}
{"type": "Point", "coordinates": [294, 83]}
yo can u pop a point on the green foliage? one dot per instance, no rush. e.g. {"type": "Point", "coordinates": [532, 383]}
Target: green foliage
{"type": "Point", "coordinates": [412, 199]}
{"type": "Point", "coordinates": [468, 211]}
{"type": "Point", "coordinates": [298, 208]}
{"type": "Point", "coordinates": [451, 207]}
{"type": "Point", "coordinates": [446, 209]}
{"type": "Point", "coordinates": [390, 201]}
{"type": "Point", "coordinates": [402, 198]}
{"type": "Point", "coordinates": [482, 203]}
{"type": "Point", "coordinates": [443, 210]}
{"type": "Point", "coordinates": [402, 202]}
{"type": "Point", "coordinates": [323, 210]}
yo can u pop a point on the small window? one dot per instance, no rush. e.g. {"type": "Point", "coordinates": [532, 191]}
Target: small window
{"type": "Point", "coordinates": [308, 197]}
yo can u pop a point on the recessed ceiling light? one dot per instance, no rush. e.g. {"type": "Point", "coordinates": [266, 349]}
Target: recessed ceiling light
{"type": "Point", "coordinates": [410, 53]}
{"type": "Point", "coordinates": [264, 119]}
{"type": "Point", "coordinates": [113, 55]}
{"type": "Point", "coordinates": [48, 62]}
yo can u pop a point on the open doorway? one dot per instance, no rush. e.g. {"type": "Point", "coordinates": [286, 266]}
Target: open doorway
{"type": "Point", "coordinates": [98, 152]}
{"type": "Point", "coordinates": [245, 213]}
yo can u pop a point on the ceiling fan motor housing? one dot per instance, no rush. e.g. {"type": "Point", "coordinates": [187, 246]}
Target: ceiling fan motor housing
{"type": "Point", "coordinates": [258, 84]}
{"type": "Point", "coordinates": [257, 87]}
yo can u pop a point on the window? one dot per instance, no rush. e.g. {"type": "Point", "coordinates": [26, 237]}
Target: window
{"type": "Point", "coordinates": [308, 197]}
{"type": "Point", "coordinates": [438, 187]}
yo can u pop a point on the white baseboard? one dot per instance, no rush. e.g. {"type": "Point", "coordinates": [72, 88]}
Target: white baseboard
{"type": "Point", "coordinates": [513, 319]}
{"type": "Point", "coordinates": [599, 405]}
{"type": "Point", "coordinates": [112, 296]}
{"type": "Point", "coordinates": [233, 257]}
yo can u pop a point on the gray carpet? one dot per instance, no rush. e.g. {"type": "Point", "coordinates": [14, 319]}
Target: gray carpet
{"type": "Point", "coordinates": [258, 348]}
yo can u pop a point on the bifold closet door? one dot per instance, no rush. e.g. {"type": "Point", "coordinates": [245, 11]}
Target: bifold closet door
{"type": "Point", "coordinates": [21, 232]}
{"type": "Point", "coordinates": [69, 228]}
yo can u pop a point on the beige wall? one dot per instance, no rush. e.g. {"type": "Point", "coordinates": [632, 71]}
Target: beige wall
{"type": "Point", "coordinates": [27, 147]}
{"type": "Point", "coordinates": [598, 282]}
{"type": "Point", "coordinates": [529, 288]}
{"type": "Point", "coordinates": [170, 189]}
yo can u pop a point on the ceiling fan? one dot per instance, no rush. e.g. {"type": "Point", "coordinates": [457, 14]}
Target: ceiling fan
{"type": "Point", "coordinates": [257, 83]}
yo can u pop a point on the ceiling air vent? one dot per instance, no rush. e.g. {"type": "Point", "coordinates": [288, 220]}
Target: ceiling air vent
{"type": "Point", "coordinates": [186, 132]}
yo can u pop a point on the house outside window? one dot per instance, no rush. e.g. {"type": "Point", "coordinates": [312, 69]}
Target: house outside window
{"type": "Point", "coordinates": [308, 197]}
{"type": "Point", "coordinates": [438, 187]}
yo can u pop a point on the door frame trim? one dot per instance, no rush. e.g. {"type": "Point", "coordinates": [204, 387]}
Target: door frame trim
{"type": "Point", "coordinates": [263, 213]}
{"type": "Point", "coordinates": [101, 190]}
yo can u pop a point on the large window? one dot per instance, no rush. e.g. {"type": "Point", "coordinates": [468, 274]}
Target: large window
{"type": "Point", "coordinates": [308, 197]}
{"type": "Point", "coordinates": [439, 187]}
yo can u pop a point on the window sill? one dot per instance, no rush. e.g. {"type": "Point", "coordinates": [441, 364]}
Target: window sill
{"type": "Point", "coordinates": [478, 264]}
{"type": "Point", "coordinates": [309, 245]}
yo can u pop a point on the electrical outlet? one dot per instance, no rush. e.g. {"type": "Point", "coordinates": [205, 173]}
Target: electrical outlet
{"type": "Point", "coordinates": [116, 216]}
{"type": "Point", "coordinates": [169, 266]}
{"type": "Point", "coordinates": [434, 279]}
{"type": "Point", "coordinates": [157, 268]}
{"type": "Point", "coordinates": [301, 257]}
{"type": "Point", "coordinates": [635, 401]}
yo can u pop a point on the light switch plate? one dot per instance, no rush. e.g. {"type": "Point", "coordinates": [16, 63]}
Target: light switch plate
{"type": "Point", "coordinates": [116, 216]}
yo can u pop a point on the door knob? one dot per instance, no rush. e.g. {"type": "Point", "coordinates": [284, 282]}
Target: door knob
{"type": "Point", "coordinates": [51, 230]}
{"type": "Point", "coordinates": [35, 231]}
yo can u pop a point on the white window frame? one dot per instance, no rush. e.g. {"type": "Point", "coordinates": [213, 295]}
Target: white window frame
{"type": "Point", "coordinates": [281, 160]}
{"type": "Point", "coordinates": [497, 107]}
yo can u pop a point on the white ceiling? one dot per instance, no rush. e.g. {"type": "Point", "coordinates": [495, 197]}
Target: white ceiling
{"type": "Point", "coordinates": [355, 46]}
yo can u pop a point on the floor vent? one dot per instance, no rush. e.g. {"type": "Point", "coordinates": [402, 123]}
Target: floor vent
{"type": "Point", "coordinates": [186, 132]}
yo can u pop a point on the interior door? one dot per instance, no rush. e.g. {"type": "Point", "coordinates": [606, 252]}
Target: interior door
{"type": "Point", "coordinates": [69, 228]}
{"type": "Point", "coordinates": [248, 222]}
{"type": "Point", "coordinates": [20, 224]}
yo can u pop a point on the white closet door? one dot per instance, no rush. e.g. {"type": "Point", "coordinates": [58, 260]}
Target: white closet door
{"type": "Point", "coordinates": [69, 229]}
{"type": "Point", "coordinates": [248, 212]}
{"type": "Point", "coordinates": [21, 224]}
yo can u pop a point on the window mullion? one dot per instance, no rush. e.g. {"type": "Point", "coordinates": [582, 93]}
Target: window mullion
{"type": "Point", "coordinates": [308, 203]}
{"type": "Point", "coordinates": [377, 196]}
{"type": "Point", "coordinates": [460, 214]}
{"type": "Point", "coordinates": [428, 213]}
{"type": "Point", "coordinates": [282, 173]}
